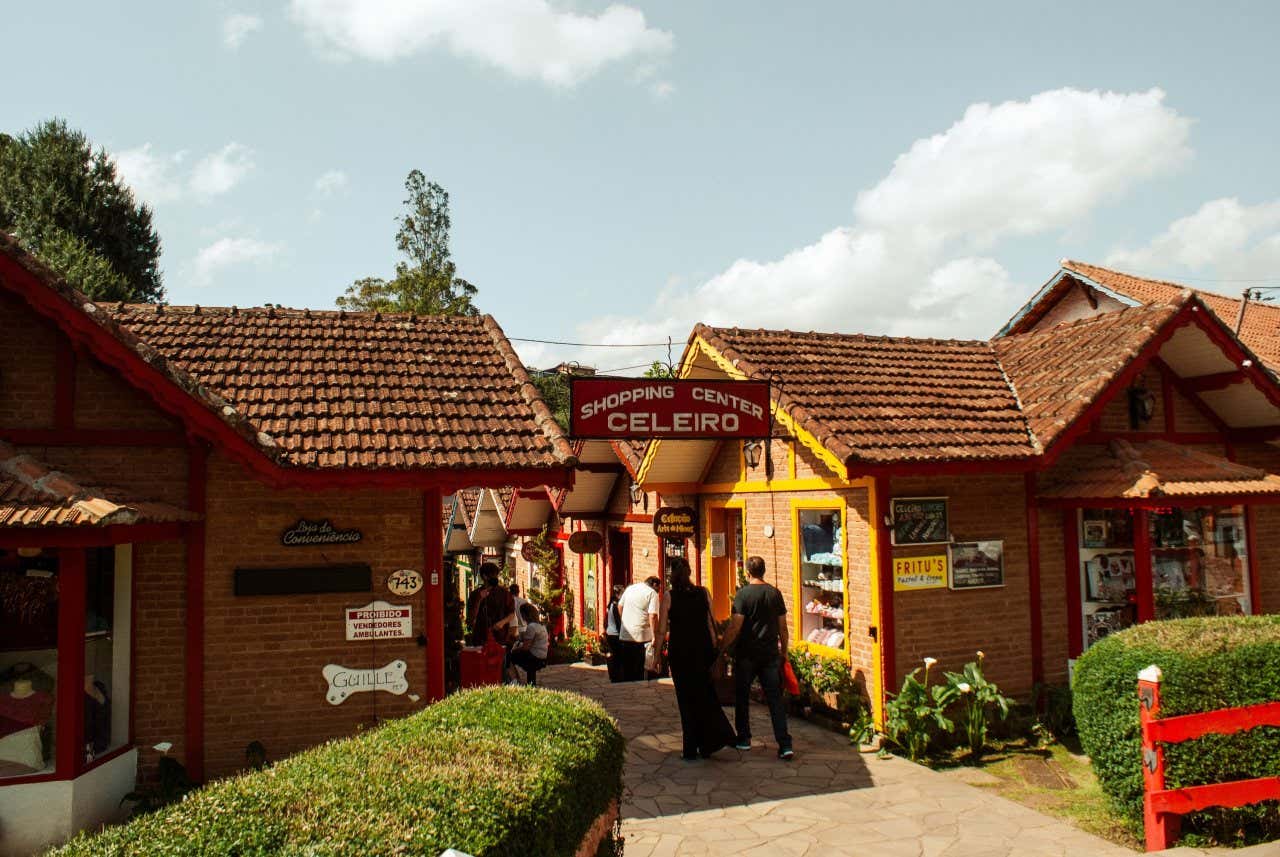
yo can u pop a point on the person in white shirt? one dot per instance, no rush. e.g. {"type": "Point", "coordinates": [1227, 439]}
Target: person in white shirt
{"type": "Point", "coordinates": [520, 602]}
{"type": "Point", "coordinates": [638, 615]}
{"type": "Point", "coordinates": [530, 651]}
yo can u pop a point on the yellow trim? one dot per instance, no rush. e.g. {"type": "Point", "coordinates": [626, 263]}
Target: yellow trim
{"type": "Point", "coordinates": [876, 694]}
{"type": "Point", "coordinates": [806, 646]}
{"type": "Point", "coordinates": [723, 505]}
{"type": "Point", "coordinates": [835, 504]}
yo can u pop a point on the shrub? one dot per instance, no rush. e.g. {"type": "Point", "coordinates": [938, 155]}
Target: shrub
{"type": "Point", "coordinates": [1208, 663]}
{"type": "Point", "coordinates": [492, 771]}
{"type": "Point", "coordinates": [826, 682]}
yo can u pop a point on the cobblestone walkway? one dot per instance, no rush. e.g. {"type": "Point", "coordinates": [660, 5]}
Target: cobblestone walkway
{"type": "Point", "coordinates": [831, 800]}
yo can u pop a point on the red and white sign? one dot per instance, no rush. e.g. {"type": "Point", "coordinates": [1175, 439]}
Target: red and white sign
{"type": "Point", "coordinates": [379, 620]}
{"type": "Point", "coordinates": [663, 408]}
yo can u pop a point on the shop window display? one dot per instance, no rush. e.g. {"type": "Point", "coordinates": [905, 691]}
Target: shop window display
{"type": "Point", "coordinates": [592, 592]}
{"type": "Point", "coordinates": [1199, 564]}
{"type": "Point", "coordinates": [822, 611]}
{"type": "Point", "coordinates": [28, 661]}
{"type": "Point", "coordinates": [1110, 581]}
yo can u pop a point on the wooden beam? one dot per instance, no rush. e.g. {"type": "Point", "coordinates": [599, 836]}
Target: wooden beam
{"type": "Point", "coordinates": [1216, 381]}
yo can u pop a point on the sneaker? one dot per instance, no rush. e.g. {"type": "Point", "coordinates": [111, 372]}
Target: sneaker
{"type": "Point", "coordinates": [786, 755]}
{"type": "Point", "coordinates": [742, 745]}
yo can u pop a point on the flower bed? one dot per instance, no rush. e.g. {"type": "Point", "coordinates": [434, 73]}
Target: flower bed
{"type": "Point", "coordinates": [493, 771]}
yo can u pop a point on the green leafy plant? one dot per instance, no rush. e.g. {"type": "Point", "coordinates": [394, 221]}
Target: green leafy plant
{"type": "Point", "coordinates": [1054, 718]}
{"type": "Point", "coordinates": [917, 713]}
{"type": "Point", "coordinates": [584, 643]}
{"type": "Point", "coordinates": [171, 786]}
{"type": "Point", "coordinates": [978, 698]}
{"type": "Point", "coordinates": [498, 770]}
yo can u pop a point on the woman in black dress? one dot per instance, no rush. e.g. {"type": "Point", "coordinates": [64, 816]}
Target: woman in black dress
{"type": "Point", "coordinates": [685, 623]}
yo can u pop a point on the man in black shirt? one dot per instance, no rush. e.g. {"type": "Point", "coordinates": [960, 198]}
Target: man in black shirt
{"type": "Point", "coordinates": [759, 626]}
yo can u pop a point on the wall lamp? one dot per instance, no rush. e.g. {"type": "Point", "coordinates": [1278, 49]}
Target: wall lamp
{"type": "Point", "coordinates": [751, 452]}
{"type": "Point", "coordinates": [637, 494]}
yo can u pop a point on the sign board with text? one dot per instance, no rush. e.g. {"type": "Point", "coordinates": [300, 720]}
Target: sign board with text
{"type": "Point", "coordinates": [919, 572]}
{"type": "Point", "coordinates": [977, 565]}
{"type": "Point", "coordinates": [379, 620]}
{"type": "Point", "coordinates": [919, 521]}
{"type": "Point", "coordinates": [675, 522]}
{"type": "Point", "coordinates": [667, 408]}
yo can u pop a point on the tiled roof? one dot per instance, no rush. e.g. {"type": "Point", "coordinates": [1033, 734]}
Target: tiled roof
{"type": "Point", "coordinates": [880, 399]}
{"type": "Point", "coordinates": [1260, 330]}
{"type": "Point", "coordinates": [1059, 371]}
{"type": "Point", "coordinates": [1151, 469]}
{"type": "Point", "coordinates": [631, 454]}
{"type": "Point", "coordinates": [341, 390]}
{"type": "Point", "coordinates": [32, 495]}
{"type": "Point", "coordinates": [469, 501]}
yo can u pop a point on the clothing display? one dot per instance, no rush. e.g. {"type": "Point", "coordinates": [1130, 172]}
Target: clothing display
{"type": "Point", "coordinates": [822, 577]}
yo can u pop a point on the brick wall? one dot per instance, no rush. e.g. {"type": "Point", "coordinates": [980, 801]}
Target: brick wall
{"type": "Point", "coordinates": [1053, 595]}
{"type": "Point", "coordinates": [143, 472]}
{"type": "Point", "coordinates": [264, 654]}
{"type": "Point", "coordinates": [104, 401]}
{"type": "Point", "coordinates": [28, 355]}
{"type": "Point", "coordinates": [1266, 529]}
{"type": "Point", "coordinates": [159, 645]}
{"type": "Point", "coordinates": [952, 626]}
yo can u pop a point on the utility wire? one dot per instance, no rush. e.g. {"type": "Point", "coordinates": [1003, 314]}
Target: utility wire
{"type": "Point", "coordinates": [592, 344]}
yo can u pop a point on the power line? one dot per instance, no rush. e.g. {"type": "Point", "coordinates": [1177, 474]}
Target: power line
{"type": "Point", "coordinates": [591, 344]}
{"type": "Point", "coordinates": [625, 368]}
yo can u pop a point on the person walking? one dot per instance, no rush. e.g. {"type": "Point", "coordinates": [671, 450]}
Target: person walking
{"type": "Point", "coordinates": [490, 610]}
{"type": "Point", "coordinates": [685, 624]}
{"type": "Point", "coordinates": [514, 589]}
{"type": "Point", "coordinates": [638, 619]}
{"type": "Point", "coordinates": [612, 628]}
{"type": "Point", "coordinates": [759, 627]}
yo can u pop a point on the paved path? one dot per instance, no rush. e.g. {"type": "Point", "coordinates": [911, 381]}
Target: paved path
{"type": "Point", "coordinates": [831, 800]}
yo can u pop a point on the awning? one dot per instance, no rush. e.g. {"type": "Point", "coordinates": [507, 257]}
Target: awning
{"type": "Point", "coordinates": [1154, 469]}
{"type": "Point", "coordinates": [32, 495]}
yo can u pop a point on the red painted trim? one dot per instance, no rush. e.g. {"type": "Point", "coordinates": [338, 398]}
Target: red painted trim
{"type": "Point", "coordinates": [133, 642]}
{"type": "Point", "coordinates": [1251, 557]}
{"type": "Point", "coordinates": [1075, 605]}
{"type": "Point", "coordinates": [1180, 385]}
{"type": "Point", "coordinates": [64, 390]}
{"type": "Point", "coordinates": [1144, 436]}
{"type": "Point", "coordinates": [1160, 502]}
{"type": "Point", "coordinates": [1216, 381]}
{"type": "Point", "coordinates": [1220, 721]}
{"type": "Point", "coordinates": [28, 779]}
{"type": "Point", "coordinates": [433, 571]}
{"type": "Point", "coordinates": [1228, 342]}
{"type": "Point", "coordinates": [884, 555]}
{"type": "Point", "coordinates": [93, 437]}
{"type": "Point", "coordinates": [1144, 580]}
{"type": "Point", "coordinates": [600, 467]}
{"type": "Point", "coordinates": [1033, 580]}
{"type": "Point", "coordinates": [68, 537]}
{"type": "Point", "coordinates": [197, 476]}
{"type": "Point", "coordinates": [69, 696]}
{"type": "Point", "coordinates": [1166, 399]}
{"type": "Point", "coordinates": [630, 519]}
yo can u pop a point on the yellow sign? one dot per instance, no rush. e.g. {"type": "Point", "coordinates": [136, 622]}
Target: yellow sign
{"type": "Point", "coordinates": [920, 572]}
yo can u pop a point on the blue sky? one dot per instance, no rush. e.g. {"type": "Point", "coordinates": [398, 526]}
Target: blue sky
{"type": "Point", "coordinates": [619, 172]}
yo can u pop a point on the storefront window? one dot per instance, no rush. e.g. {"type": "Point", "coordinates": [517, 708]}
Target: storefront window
{"type": "Point", "coordinates": [591, 585]}
{"type": "Point", "coordinates": [106, 666]}
{"type": "Point", "coordinates": [1199, 564]}
{"type": "Point", "coordinates": [821, 541]}
{"type": "Point", "coordinates": [28, 661]}
{"type": "Point", "coordinates": [1107, 564]}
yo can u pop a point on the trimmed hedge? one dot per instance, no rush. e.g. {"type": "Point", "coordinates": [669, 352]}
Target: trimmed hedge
{"type": "Point", "coordinates": [1208, 663]}
{"type": "Point", "coordinates": [494, 771]}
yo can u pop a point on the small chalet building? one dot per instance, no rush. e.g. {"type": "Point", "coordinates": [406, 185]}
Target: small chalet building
{"type": "Point", "coordinates": [223, 526]}
{"type": "Point", "coordinates": [1108, 459]}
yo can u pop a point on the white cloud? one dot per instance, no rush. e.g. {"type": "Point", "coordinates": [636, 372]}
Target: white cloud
{"type": "Point", "coordinates": [526, 38]}
{"type": "Point", "coordinates": [915, 259]}
{"type": "Point", "coordinates": [330, 183]}
{"type": "Point", "coordinates": [222, 170]}
{"type": "Point", "coordinates": [1224, 236]}
{"type": "Point", "coordinates": [237, 27]}
{"type": "Point", "coordinates": [152, 177]}
{"type": "Point", "coordinates": [228, 252]}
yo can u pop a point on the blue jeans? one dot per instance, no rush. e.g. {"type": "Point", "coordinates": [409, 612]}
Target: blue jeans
{"type": "Point", "coordinates": [746, 669]}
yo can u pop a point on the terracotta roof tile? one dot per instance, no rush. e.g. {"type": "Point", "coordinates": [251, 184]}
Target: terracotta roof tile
{"type": "Point", "coordinates": [1059, 371]}
{"type": "Point", "coordinates": [1151, 469]}
{"type": "Point", "coordinates": [33, 496]}
{"type": "Point", "coordinates": [631, 454]}
{"type": "Point", "coordinates": [881, 399]}
{"type": "Point", "coordinates": [1260, 330]}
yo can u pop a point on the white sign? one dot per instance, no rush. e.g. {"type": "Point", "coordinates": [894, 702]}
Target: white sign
{"type": "Point", "coordinates": [379, 620]}
{"type": "Point", "coordinates": [717, 544]}
{"type": "Point", "coordinates": [404, 582]}
{"type": "Point", "coordinates": [343, 681]}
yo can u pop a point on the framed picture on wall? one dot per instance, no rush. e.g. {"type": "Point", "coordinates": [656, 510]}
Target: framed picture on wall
{"type": "Point", "coordinates": [1095, 534]}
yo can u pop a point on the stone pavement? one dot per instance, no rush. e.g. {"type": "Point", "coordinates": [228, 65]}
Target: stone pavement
{"type": "Point", "coordinates": [831, 800]}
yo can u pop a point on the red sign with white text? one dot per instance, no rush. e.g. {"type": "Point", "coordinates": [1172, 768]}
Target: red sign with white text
{"type": "Point", "coordinates": [664, 408]}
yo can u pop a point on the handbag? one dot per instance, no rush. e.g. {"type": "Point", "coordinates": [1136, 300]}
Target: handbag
{"type": "Point", "coordinates": [790, 683]}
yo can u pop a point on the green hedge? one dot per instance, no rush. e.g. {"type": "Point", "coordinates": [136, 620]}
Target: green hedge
{"type": "Point", "coordinates": [495, 771]}
{"type": "Point", "coordinates": [1208, 663]}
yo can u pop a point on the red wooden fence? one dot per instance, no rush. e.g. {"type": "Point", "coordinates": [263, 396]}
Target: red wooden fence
{"type": "Point", "coordinates": [1162, 808]}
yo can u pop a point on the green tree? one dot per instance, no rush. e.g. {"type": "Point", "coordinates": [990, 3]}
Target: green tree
{"type": "Point", "coordinates": [65, 203]}
{"type": "Point", "coordinates": [554, 389]}
{"type": "Point", "coordinates": [427, 283]}
{"type": "Point", "coordinates": [659, 370]}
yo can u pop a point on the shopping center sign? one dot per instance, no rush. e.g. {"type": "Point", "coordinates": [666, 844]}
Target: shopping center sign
{"type": "Point", "coordinates": [665, 408]}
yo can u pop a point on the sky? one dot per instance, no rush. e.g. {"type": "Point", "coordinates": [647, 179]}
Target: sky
{"type": "Point", "coordinates": [621, 171]}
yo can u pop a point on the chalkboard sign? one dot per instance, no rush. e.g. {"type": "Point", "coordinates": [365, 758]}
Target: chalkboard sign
{"type": "Point", "coordinates": [920, 521]}
{"type": "Point", "coordinates": [977, 565]}
{"type": "Point", "coordinates": [303, 581]}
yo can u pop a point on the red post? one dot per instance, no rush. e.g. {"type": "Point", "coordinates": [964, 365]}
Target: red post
{"type": "Point", "coordinates": [1161, 827]}
{"type": "Point", "coordinates": [884, 549]}
{"type": "Point", "coordinates": [1075, 606]}
{"type": "Point", "coordinates": [433, 574]}
{"type": "Point", "coordinates": [69, 741]}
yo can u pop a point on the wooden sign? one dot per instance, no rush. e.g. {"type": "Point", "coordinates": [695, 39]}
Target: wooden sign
{"type": "Point", "coordinates": [920, 521]}
{"type": "Point", "coordinates": [660, 407]}
{"type": "Point", "coordinates": [919, 572]}
{"type": "Point", "coordinates": [977, 565]}
{"type": "Point", "coordinates": [305, 533]}
{"type": "Point", "coordinates": [586, 541]}
{"type": "Point", "coordinates": [526, 551]}
{"type": "Point", "coordinates": [343, 682]}
{"type": "Point", "coordinates": [379, 620]}
{"type": "Point", "coordinates": [675, 522]}
{"type": "Point", "coordinates": [303, 581]}
{"type": "Point", "coordinates": [404, 582]}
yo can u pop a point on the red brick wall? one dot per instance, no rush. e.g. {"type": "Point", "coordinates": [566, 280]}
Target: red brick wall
{"type": "Point", "coordinates": [28, 355]}
{"type": "Point", "coordinates": [159, 645]}
{"type": "Point", "coordinates": [264, 654]}
{"type": "Point", "coordinates": [104, 401]}
{"type": "Point", "coordinates": [952, 626]}
{"type": "Point", "coordinates": [143, 472]}
{"type": "Point", "coordinates": [1053, 596]}
{"type": "Point", "coordinates": [1266, 529]}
